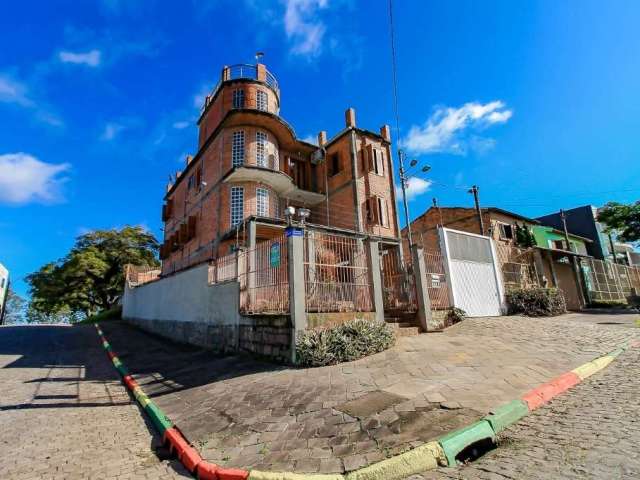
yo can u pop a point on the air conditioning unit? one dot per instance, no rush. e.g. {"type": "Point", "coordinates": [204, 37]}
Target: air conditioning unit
{"type": "Point", "coordinates": [318, 156]}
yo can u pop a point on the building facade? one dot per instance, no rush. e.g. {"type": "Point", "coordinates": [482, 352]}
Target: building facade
{"type": "Point", "coordinates": [554, 239]}
{"type": "Point", "coordinates": [250, 166]}
{"type": "Point", "coordinates": [4, 288]}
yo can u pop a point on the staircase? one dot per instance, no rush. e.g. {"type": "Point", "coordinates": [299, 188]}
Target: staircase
{"type": "Point", "coordinates": [405, 324]}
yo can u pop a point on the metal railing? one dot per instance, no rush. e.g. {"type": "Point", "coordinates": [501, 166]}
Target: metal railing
{"type": "Point", "coordinates": [263, 273]}
{"type": "Point", "coordinates": [610, 281]}
{"type": "Point", "coordinates": [240, 71]}
{"type": "Point", "coordinates": [398, 282]}
{"type": "Point", "coordinates": [336, 274]}
{"type": "Point", "coordinates": [136, 275]}
{"type": "Point", "coordinates": [436, 280]}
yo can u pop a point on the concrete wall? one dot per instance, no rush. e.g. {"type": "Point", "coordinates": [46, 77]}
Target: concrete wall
{"type": "Point", "coordinates": [186, 309]}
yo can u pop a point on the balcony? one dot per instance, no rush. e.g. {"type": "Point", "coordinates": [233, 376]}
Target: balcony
{"type": "Point", "coordinates": [268, 173]}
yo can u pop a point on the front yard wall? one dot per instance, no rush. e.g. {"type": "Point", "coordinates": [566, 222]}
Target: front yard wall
{"type": "Point", "coordinates": [185, 308]}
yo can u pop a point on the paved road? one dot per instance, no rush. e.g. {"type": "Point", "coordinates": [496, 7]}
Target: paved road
{"type": "Point", "coordinates": [243, 413]}
{"type": "Point", "coordinates": [592, 431]}
{"type": "Point", "coordinates": [64, 413]}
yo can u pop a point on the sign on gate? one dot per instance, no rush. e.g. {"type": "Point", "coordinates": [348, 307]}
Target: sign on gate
{"type": "Point", "coordinates": [274, 255]}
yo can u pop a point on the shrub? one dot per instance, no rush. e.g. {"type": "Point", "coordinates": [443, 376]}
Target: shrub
{"type": "Point", "coordinates": [343, 343]}
{"type": "Point", "coordinates": [455, 315]}
{"type": "Point", "coordinates": [536, 302]}
{"type": "Point", "coordinates": [608, 304]}
{"type": "Point", "coordinates": [112, 314]}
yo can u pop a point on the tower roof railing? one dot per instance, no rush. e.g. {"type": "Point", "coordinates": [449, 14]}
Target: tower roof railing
{"type": "Point", "coordinates": [243, 71]}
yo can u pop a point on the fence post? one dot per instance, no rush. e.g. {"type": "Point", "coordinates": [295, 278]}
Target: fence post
{"type": "Point", "coordinates": [297, 304]}
{"type": "Point", "coordinates": [422, 291]}
{"type": "Point", "coordinates": [376, 279]}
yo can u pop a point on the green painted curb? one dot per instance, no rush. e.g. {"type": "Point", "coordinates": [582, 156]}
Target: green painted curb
{"type": "Point", "coordinates": [454, 442]}
{"type": "Point", "coordinates": [122, 369]}
{"type": "Point", "coordinates": [159, 419]}
{"type": "Point", "coordinates": [507, 414]}
{"type": "Point", "coordinates": [616, 352]}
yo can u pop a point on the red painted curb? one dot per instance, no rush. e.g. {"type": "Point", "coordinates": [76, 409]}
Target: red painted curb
{"type": "Point", "coordinates": [130, 382]}
{"type": "Point", "coordinates": [207, 471]}
{"type": "Point", "coordinates": [540, 395]}
{"type": "Point", "coordinates": [232, 474]}
{"type": "Point", "coordinates": [111, 355]}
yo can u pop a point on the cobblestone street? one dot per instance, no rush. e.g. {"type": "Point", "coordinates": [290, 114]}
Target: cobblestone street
{"type": "Point", "coordinates": [590, 432]}
{"type": "Point", "coordinates": [64, 413]}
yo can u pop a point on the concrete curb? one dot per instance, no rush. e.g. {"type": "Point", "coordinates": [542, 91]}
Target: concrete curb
{"type": "Point", "coordinates": [441, 452]}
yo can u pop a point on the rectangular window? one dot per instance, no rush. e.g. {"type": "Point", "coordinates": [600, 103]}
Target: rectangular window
{"type": "Point", "coordinates": [262, 202]}
{"type": "Point", "coordinates": [379, 162]}
{"type": "Point", "coordinates": [238, 98]}
{"type": "Point", "coordinates": [237, 205]}
{"type": "Point", "coordinates": [237, 148]}
{"type": "Point", "coordinates": [333, 164]}
{"type": "Point", "coordinates": [261, 149]}
{"type": "Point", "coordinates": [557, 244]}
{"type": "Point", "coordinates": [506, 231]}
{"type": "Point", "coordinates": [192, 182]}
{"type": "Point", "coordinates": [261, 100]}
{"type": "Point", "coordinates": [382, 212]}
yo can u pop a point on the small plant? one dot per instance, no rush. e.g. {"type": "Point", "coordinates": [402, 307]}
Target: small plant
{"type": "Point", "coordinates": [454, 316]}
{"type": "Point", "coordinates": [536, 302]}
{"type": "Point", "coordinates": [343, 343]}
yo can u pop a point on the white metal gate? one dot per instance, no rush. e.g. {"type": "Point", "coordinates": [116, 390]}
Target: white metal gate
{"type": "Point", "coordinates": [475, 285]}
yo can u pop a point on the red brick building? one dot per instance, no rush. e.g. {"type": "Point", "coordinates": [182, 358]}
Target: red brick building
{"type": "Point", "coordinates": [250, 166]}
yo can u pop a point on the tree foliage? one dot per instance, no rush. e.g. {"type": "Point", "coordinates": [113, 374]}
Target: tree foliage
{"type": "Point", "coordinates": [90, 278]}
{"type": "Point", "coordinates": [524, 236]}
{"type": "Point", "coordinates": [623, 219]}
{"type": "Point", "coordinates": [15, 307]}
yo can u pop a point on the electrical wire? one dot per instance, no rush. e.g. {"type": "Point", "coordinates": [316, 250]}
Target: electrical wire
{"type": "Point", "coordinates": [394, 70]}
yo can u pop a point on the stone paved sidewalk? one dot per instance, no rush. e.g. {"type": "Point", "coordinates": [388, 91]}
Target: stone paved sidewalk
{"type": "Point", "coordinates": [244, 413]}
{"type": "Point", "coordinates": [64, 413]}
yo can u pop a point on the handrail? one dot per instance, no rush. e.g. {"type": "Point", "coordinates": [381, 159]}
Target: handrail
{"type": "Point", "coordinates": [239, 71]}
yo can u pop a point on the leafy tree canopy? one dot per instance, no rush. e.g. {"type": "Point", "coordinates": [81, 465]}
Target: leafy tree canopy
{"type": "Point", "coordinates": [14, 308]}
{"type": "Point", "coordinates": [90, 277]}
{"type": "Point", "coordinates": [524, 236]}
{"type": "Point", "coordinates": [623, 219]}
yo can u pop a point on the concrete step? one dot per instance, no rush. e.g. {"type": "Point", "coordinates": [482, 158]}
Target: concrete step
{"type": "Point", "coordinates": [408, 331]}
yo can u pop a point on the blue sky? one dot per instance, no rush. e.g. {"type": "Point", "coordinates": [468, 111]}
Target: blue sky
{"type": "Point", "coordinates": [537, 103]}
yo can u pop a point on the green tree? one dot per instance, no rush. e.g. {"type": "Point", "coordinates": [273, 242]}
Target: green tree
{"type": "Point", "coordinates": [90, 278]}
{"type": "Point", "coordinates": [622, 219]}
{"type": "Point", "coordinates": [524, 236]}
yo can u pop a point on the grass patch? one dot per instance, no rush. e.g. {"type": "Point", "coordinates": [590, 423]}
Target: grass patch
{"type": "Point", "coordinates": [104, 316]}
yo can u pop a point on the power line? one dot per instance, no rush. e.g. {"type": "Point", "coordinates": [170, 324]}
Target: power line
{"type": "Point", "coordinates": [395, 72]}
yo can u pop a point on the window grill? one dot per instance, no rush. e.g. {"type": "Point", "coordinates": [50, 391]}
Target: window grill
{"type": "Point", "coordinates": [261, 100]}
{"type": "Point", "coordinates": [261, 149]}
{"type": "Point", "coordinates": [262, 202]}
{"type": "Point", "coordinates": [237, 205]}
{"type": "Point", "coordinates": [238, 98]}
{"type": "Point", "coordinates": [237, 148]}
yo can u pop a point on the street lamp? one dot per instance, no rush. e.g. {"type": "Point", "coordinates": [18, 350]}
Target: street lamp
{"type": "Point", "coordinates": [404, 183]}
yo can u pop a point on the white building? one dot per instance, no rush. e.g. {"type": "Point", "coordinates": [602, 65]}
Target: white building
{"type": "Point", "coordinates": [4, 287]}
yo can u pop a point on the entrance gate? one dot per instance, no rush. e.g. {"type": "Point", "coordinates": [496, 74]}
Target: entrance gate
{"type": "Point", "coordinates": [471, 265]}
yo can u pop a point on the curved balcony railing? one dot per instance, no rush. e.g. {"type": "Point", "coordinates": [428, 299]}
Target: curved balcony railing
{"type": "Point", "coordinates": [240, 71]}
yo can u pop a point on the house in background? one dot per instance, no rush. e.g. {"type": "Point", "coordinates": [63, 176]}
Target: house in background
{"type": "Point", "coordinates": [4, 288]}
{"type": "Point", "coordinates": [554, 239]}
{"type": "Point", "coordinates": [625, 254]}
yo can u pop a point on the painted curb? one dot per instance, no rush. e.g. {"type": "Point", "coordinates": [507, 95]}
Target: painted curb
{"type": "Point", "coordinates": [442, 452]}
{"type": "Point", "coordinates": [455, 442]}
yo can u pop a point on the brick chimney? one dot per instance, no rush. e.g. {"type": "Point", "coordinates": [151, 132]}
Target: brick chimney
{"type": "Point", "coordinates": [350, 117]}
{"type": "Point", "coordinates": [385, 132]}
{"type": "Point", "coordinates": [322, 138]}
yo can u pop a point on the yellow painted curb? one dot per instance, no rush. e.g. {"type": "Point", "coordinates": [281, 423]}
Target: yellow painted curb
{"type": "Point", "coordinates": [141, 397]}
{"type": "Point", "coordinates": [258, 475]}
{"type": "Point", "coordinates": [420, 459]}
{"type": "Point", "coordinates": [588, 369]}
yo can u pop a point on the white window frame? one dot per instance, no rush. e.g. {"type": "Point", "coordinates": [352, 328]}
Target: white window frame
{"type": "Point", "coordinates": [262, 202]}
{"type": "Point", "coordinates": [262, 140]}
{"type": "Point", "coordinates": [237, 148]}
{"type": "Point", "coordinates": [238, 98]}
{"type": "Point", "coordinates": [236, 205]}
{"type": "Point", "coordinates": [378, 162]}
{"type": "Point", "coordinates": [262, 100]}
{"type": "Point", "coordinates": [383, 212]}
{"type": "Point", "coordinates": [501, 232]}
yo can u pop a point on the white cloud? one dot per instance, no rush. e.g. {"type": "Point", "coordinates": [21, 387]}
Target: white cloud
{"type": "Point", "coordinates": [24, 179]}
{"type": "Point", "coordinates": [111, 130]}
{"type": "Point", "coordinates": [180, 125]}
{"type": "Point", "coordinates": [312, 139]}
{"type": "Point", "coordinates": [13, 91]}
{"type": "Point", "coordinates": [415, 187]}
{"type": "Point", "coordinates": [91, 58]}
{"type": "Point", "coordinates": [303, 27]}
{"type": "Point", "coordinates": [446, 131]}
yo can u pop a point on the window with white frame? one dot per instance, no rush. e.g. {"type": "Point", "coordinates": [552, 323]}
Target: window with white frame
{"type": "Point", "coordinates": [378, 161]}
{"type": "Point", "coordinates": [238, 98]}
{"type": "Point", "coordinates": [237, 148]}
{"type": "Point", "coordinates": [261, 149]}
{"type": "Point", "coordinates": [382, 209]}
{"type": "Point", "coordinates": [261, 100]}
{"type": "Point", "coordinates": [237, 205]}
{"type": "Point", "coordinates": [506, 231]}
{"type": "Point", "coordinates": [262, 202]}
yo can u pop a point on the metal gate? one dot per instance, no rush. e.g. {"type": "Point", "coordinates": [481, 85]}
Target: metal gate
{"type": "Point", "coordinates": [471, 265]}
{"type": "Point", "coordinates": [398, 283]}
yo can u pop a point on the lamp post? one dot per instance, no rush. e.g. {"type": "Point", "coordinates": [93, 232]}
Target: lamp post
{"type": "Point", "coordinates": [404, 183]}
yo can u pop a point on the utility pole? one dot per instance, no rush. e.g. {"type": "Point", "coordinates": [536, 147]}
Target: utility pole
{"type": "Point", "coordinates": [403, 184]}
{"type": "Point", "coordinates": [563, 217]}
{"type": "Point", "coordinates": [436, 206]}
{"type": "Point", "coordinates": [613, 249]}
{"type": "Point", "coordinates": [474, 191]}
